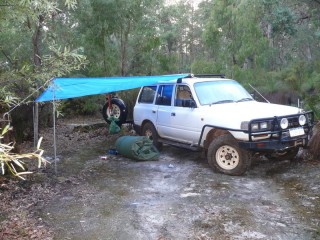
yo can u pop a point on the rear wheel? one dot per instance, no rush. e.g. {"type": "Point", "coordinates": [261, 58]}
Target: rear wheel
{"type": "Point", "coordinates": [150, 131]}
{"type": "Point", "coordinates": [117, 108]}
{"type": "Point", "coordinates": [225, 156]}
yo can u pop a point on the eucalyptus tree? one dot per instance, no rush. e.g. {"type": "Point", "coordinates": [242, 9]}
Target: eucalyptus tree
{"type": "Point", "coordinates": [273, 43]}
{"type": "Point", "coordinates": [32, 50]}
{"type": "Point", "coordinates": [112, 31]}
{"type": "Point", "coordinates": [234, 36]}
{"type": "Point", "coordinates": [146, 40]}
{"type": "Point", "coordinates": [139, 37]}
{"type": "Point", "coordinates": [269, 34]}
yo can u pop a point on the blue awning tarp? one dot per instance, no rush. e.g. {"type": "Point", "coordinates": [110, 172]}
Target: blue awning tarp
{"type": "Point", "coordinates": [63, 88]}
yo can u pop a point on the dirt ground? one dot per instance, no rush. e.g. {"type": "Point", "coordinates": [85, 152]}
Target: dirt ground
{"type": "Point", "coordinates": [90, 194]}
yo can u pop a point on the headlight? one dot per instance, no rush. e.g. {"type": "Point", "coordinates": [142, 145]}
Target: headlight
{"type": "Point", "coordinates": [255, 126]}
{"type": "Point", "coordinates": [302, 120]}
{"type": "Point", "coordinates": [263, 125]}
{"type": "Point", "coordinates": [284, 123]}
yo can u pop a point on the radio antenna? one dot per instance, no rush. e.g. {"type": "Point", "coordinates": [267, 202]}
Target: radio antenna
{"type": "Point", "coordinates": [259, 93]}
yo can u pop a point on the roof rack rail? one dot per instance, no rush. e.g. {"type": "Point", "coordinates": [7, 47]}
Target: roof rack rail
{"type": "Point", "coordinates": [209, 75]}
{"type": "Point", "coordinates": [179, 80]}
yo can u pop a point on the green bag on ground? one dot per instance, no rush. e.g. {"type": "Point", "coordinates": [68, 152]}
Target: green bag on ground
{"type": "Point", "coordinates": [137, 147]}
{"type": "Point", "coordinates": [113, 127]}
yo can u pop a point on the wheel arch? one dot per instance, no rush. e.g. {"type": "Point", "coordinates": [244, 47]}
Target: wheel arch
{"type": "Point", "coordinates": [148, 126]}
{"type": "Point", "coordinates": [144, 122]}
{"type": "Point", "coordinates": [138, 127]}
{"type": "Point", "coordinates": [212, 134]}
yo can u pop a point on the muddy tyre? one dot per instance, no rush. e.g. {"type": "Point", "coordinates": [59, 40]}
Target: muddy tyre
{"type": "Point", "coordinates": [150, 131]}
{"type": "Point", "coordinates": [118, 109]}
{"type": "Point", "coordinates": [225, 156]}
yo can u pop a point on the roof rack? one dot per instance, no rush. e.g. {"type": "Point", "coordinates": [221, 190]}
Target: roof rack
{"type": "Point", "coordinates": [209, 75]}
{"type": "Point", "coordinates": [190, 75]}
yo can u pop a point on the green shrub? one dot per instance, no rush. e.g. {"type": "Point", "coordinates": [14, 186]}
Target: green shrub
{"type": "Point", "coordinates": [89, 105]}
{"type": "Point", "coordinates": [129, 97]}
{"type": "Point", "coordinates": [206, 66]}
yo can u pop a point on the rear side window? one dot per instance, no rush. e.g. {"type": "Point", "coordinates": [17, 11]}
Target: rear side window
{"type": "Point", "coordinates": [164, 95]}
{"type": "Point", "coordinates": [147, 94]}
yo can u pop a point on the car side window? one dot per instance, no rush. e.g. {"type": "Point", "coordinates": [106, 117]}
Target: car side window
{"type": "Point", "coordinates": [183, 97]}
{"type": "Point", "coordinates": [147, 94]}
{"type": "Point", "coordinates": [164, 95]}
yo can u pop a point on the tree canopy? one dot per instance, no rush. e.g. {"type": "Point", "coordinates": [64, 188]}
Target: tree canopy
{"type": "Point", "coordinates": [270, 43]}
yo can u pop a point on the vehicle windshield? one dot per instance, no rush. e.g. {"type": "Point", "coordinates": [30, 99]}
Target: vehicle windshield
{"type": "Point", "coordinates": [224, 91]}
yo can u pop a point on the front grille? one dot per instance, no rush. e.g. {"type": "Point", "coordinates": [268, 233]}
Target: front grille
{"type": "Point", "coordinates": [293, 122]}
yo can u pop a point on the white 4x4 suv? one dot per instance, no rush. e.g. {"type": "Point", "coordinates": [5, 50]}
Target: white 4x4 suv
{"type": "Point", "coordinates": [219, 116]}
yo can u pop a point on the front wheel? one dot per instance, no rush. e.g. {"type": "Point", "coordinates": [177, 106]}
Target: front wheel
{"type": "Point", "coordinates": [225, 156]}
{"type": "Point", "coordinates": [150, 131]}
{"type": "Point", "coordinates": [117, 108]}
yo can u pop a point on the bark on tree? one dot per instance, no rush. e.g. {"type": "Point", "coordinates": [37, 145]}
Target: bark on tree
{"type": "Point", "coordinates": [36, 41]}
{"type": "Point", "coordinates": [124, 34]}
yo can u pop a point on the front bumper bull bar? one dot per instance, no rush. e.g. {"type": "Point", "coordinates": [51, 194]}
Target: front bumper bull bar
{"type": "Point", "coordinates": [275, 138]}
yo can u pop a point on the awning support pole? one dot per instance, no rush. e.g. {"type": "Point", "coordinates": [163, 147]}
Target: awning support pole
{"type": "Point", "coordinates": [54, 136]}
{"type": "Point", "coordinates": [35, 124]}
{"type": "Point", "coordinates": [54, 129]}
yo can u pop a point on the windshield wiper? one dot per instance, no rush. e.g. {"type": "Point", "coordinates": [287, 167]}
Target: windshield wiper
{"type": "Point", "coordinates": [245, 99]}
{"type": "Point", "coordinates": [223, 101]}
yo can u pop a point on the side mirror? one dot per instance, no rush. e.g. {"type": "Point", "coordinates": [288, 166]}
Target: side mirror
{"type": "Point", "coordinates": [190, 103]}
{"type": "Point", "coordinates": [193, 104]}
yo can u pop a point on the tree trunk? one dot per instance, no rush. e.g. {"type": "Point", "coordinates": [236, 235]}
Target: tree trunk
{"type": "Point", "coordinates": [35, 124]}
{"type": "Point", "coordinates": [104, 39]}
{"type": "Point", "coordinates": [269, 35]}
{"type": "Point", "coordinates": [309, 53]}
{"type": "Point", "coordinates": [124, 34]}
{"type": "Point", "coordinates": [36, 41]}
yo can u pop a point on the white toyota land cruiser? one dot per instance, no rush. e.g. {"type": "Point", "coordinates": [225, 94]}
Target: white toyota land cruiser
{"type": "Point", "coordinates": [217, 115]}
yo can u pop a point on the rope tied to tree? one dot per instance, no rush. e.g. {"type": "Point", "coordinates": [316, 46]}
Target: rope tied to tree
{"type": "Point", "coordinates": [24, 101]}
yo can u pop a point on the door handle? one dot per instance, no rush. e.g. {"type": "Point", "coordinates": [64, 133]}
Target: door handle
{"type": "Point", "coordinates": [154, 111]}
{"type": "Point", "coordinates": [173, 114]}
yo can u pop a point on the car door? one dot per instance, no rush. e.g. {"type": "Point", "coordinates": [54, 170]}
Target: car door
{"type": "Point", "coordinates": [145, 109]}
{"type": "Point", "coordinates": [185, 118]}
{"type": "Point", "coordinates": [164, 109]}
{"type": "Point", "coordinates": [179, 121]}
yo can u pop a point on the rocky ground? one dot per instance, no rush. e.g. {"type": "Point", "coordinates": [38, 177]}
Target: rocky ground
{"type": "Point", "coordinates": [89, 194]}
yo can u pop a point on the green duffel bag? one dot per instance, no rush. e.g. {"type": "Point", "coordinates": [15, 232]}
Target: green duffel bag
{"type": "Point", "coordinates": [137, 147]}
{"type": "Point", "coordinates": [113, 127]}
